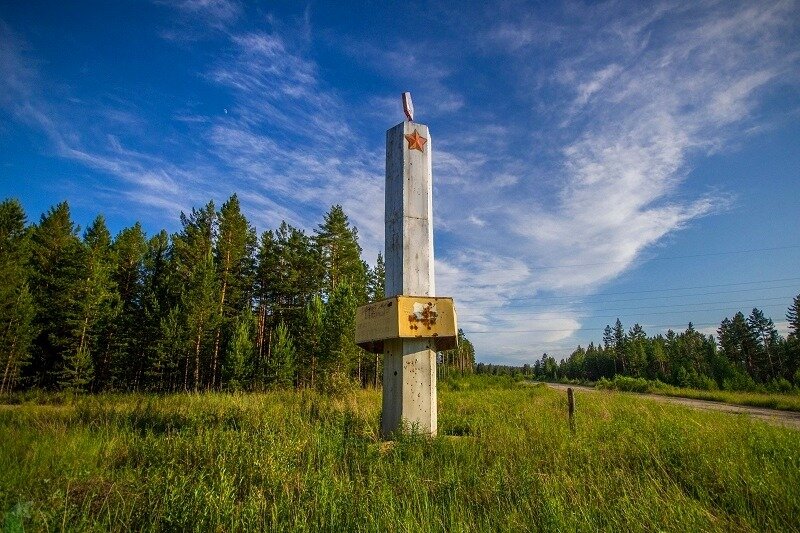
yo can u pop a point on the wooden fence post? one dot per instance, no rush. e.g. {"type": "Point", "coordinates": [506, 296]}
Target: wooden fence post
{"type": "Point", "coordinates": [571, 407]}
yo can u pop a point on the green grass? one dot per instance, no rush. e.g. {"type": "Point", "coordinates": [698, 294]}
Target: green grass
{"type": "Point", "coordinates": [505, 461]}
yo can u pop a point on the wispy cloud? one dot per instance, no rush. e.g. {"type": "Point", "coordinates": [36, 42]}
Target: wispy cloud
{"type": "Point", "coordinates": [513, 35]}
{"type": "Point", "coordinates": [215, 13]}
{"type": "Point", "coordinates": [286, 138]}
{"type": "Point", "coordinates": [281, 144]}
{"type": "Point", "coordinates": [415, 63]}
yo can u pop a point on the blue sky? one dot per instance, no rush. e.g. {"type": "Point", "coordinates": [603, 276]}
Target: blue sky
{"type": "Point", "coordinates": [591, 160]}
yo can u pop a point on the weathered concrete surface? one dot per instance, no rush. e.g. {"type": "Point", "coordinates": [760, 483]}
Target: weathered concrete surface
{"type": "Point", "coordinates": [409, 369]}
{"type": "Point", "coordinates": [409, 387]}
{"type": "Point", "coordinates": [409, 214]}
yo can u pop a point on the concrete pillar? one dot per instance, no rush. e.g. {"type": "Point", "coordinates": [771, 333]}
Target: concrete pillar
{"type": "Point", "coordinates": [409, 369]}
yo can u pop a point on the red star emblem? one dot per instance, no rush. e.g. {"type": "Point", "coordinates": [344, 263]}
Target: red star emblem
{"type": "Point", "coordinates": [416, 141]}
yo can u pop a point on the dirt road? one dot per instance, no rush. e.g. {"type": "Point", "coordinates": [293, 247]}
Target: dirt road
{"type": "Point", "coordinates": [774, 416]}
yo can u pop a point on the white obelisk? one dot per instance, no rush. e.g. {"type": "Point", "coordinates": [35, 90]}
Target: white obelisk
{"type": "Point", "coordinates": [409, 370]}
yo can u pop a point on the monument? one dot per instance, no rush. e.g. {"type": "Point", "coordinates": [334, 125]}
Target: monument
{"type": "Point", "coordinates": [411, 324]}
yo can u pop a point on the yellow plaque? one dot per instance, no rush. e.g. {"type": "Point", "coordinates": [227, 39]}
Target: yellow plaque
{"type": "Point", "coordinates": [407, 317]}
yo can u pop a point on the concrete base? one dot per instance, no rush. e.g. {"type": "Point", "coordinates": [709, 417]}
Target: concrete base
{"type": "Point", "coordinates": [409, 387]}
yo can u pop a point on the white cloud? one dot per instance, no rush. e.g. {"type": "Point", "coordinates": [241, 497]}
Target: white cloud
{"type": "Point", "coordinates": [708, 330]}
{"type": "Point", "coordinates": [473, 219]}
{"type": "Point", "coordinates": [595, 83]}
{"type": "Point", "coordinates": [783, 328]}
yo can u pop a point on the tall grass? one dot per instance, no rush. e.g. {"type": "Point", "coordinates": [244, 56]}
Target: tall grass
{"type": "Point", "coordinates": [505, 460]}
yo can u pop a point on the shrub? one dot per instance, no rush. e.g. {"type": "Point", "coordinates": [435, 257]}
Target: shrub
{"type": "Point", "coordinates": [604, 383]}
{"type": "Point", "coordinates": [628, 384]}
{"type": "Point", "coordinates": [335, 383]}
{"type": "Point", "coordinates": [780, 385]}
{"type": "Point", "coordinates": [702, 382]}
{"type": "Point", "coordinates": [625, 384]}
{"type": "Point", "coordinates": [658, 385]}
{"type": "Point", "coordinates": [739, 381]}
{"type": "Point", "coordinates": [682, 378]}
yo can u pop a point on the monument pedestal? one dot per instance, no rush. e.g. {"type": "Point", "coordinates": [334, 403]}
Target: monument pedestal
{"type": "Point", "coordinates": [409, 350]}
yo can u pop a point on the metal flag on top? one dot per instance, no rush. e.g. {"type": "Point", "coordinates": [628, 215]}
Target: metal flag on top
{"type": "Point", "coordinates": [408, 106]}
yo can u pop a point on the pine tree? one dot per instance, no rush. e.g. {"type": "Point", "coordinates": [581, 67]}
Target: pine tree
{"type": "Point", "coordinates": [460, 359]}
{"type": "Point", "coordinates": [282, 363]}
{"type": "Point", "coordinates": [619, 345]}
{"type": "Point", "coordinates": [199, 303]}
{"type": "Point", "coordinates": [466, 353]}
{"type": "Point", "coordinates": [77, 372]}
{"type": "Point", "coordinates": [657, 359]}
{"type": "Point", "coordinates": [310, 342]}
{"type": "Point", "coordinates": [763, 331]}
{"type": "Point", "coordinates": [377, 280]}
{"type": "Point", "coordinates": [608, 337]}
{"type": "Point", "coordinates": [193, 250]}
{"type": "Point", "coordinates": [300, 269]}
{"type": "Point", "coordinates": [792, 346]}
{"type": "Point", "coordinates": [162, 328]}
{"type": "Point", "coordinates": [57, 268]}
{"type": "Point", "coordinates": [18, 333]}
{"type": "Point", "coordinates": [124, 356]}
{"type": "Point", "coordinates": [96, 301]}
{"type": "Point", "coordinates": [793, 317]}
{"type": "Point", "coordinates": [288, 277]}
{"type": "Point", "coordinates": [238, 364]}
{"type": "Point", "coordinates": [266, 294]}
{"type": "Point", "coordinates": [297, 276]}
{"type": "Point", "coordinates": [234, 259]}
{"type": "Point", "coordinates": [739, 344]}
{"type": "Point", "coordinates": [16, 302]}
{"type": "Point", "coordinates": [376, 290]}
{"type": "Point", "coordinates": [340, 253]}
{"type": "Point", "coordinates": [635, 350]}
{"type": "Point", "coordinates": [338, 350]}
{"type": "Point", "coordinates": [171, 350]}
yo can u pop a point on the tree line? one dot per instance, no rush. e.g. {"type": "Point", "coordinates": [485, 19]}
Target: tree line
{"type": "Point", "coordinates": [747, 354]}
{"type": "Point", "coordinates": [211, 307]}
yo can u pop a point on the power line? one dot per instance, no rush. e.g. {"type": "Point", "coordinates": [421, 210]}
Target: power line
{"type": "Point", "coordinates": [603, 328]}
{"type": "Point", "coordinates": [587, 300]}
{"type": "Point", "coordinates": [778, 280]}
{"type": "Point", "coordinates": [523, 313]}
{"type": "Point", "coordinates": [579, 329]}
{"type": "Point", "coordinates": [595, 317]}
{"type": "Point", "coordinates": [731, 252]}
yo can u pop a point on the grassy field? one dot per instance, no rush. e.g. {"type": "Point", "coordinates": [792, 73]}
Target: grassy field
{"type": "Point", "coordinates": [506, 461]}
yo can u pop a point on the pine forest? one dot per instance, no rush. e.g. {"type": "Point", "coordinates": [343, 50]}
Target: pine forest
{"type": "Point", "coordinates": [212, 307]}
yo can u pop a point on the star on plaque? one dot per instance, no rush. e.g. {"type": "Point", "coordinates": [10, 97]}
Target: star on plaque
{"type": "Point", "coordinates": [416, 141]}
